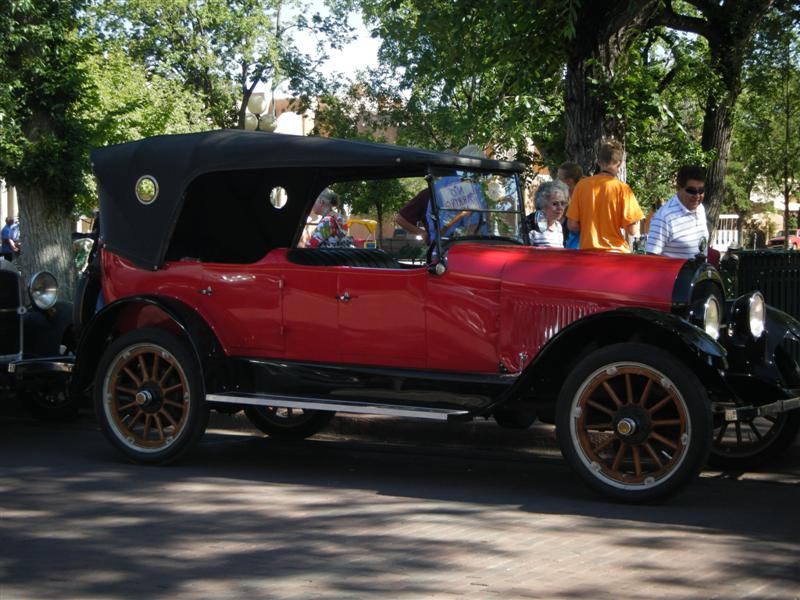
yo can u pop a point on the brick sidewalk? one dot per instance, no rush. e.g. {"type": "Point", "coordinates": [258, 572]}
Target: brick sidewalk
{"type": "Point", "coordinates": [247, 517]}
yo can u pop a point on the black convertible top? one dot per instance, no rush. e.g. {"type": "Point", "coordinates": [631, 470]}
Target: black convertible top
{"type": "Point", "coordinates": [245, 165]}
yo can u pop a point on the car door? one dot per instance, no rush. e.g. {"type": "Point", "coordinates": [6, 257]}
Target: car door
{"type": "Point", "coordinates": [244, 307]}
{"type": "Point", "coordinates": [381, 316]}
{"type": "Point", "coordinates": [310, 313]}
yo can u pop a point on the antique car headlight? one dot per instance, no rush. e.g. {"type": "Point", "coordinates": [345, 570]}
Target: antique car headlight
{"type": "Point", "coordinates": [756, 314]}
{"type": "Point", "coordinates": [711, 316]}
{"type": "Point", "coordinates": [43, 290]}
{"type": "Point", "coordinates": [749, 314]}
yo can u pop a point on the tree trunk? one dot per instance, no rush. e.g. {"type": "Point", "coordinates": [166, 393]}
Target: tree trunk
{"type": "Point", "coordinates": [717, 126]}
{"type": "Point", "coordinates": [604, 32]}
{"type": "Point", "coordinates": [379, 212]}
{"type": "Point", "coordinates": [585, 113]}
{"type": "Point", "coordinates": [46, 241]}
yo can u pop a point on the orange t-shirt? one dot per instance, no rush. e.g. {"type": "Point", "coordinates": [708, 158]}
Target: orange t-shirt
{"type": "Point", "coordinates": [604, 206]}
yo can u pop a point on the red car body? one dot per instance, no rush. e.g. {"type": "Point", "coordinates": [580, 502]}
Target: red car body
{"type": "Point", "coordinates": [642, 353]}
{"type": "Point", "coordinates": [477, 315]}
{"type": "Point", "coordinates": [778, 241]}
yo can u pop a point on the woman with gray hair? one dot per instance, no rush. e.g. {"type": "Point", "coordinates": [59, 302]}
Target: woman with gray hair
{"type": "Point", "coordinates": [551, 199]}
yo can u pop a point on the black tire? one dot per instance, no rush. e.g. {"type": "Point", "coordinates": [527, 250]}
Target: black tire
{"type": "Point", "coordinates": [149, 396]}
{"type": "Point", "coordinates": [55, 405]}
{"type": "Point", "coordinates": [749, 444]}
{"type": "Point", "coordinates": [288, 423]}
{"type": "Point", "coordinates": [645, 438]}
{"type": "Point", "coordinates": [510, 419]}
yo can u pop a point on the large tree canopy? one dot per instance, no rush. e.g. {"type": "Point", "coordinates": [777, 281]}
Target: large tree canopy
{"type": "Point", "coordinates": [45, 129]}
{"type": "Point", "coordinates": [566, 74]}
{"type": "Point", "coordinates": [221, 50]}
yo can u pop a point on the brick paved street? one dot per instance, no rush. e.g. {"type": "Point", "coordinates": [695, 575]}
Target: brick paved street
{"type": "Point", "coordinates": [243, 517]}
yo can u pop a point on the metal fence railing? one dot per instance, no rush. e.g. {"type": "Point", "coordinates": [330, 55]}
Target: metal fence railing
{"type": "Point", "coordinates": [774, 273]}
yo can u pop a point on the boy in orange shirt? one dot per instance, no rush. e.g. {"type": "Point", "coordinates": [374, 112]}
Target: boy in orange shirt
{"type": "Point", "coordinates": [603, 208]}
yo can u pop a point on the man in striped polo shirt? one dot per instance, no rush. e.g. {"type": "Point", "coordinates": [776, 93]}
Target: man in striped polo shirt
{"type": "Point", "coordinates": [679, 225]}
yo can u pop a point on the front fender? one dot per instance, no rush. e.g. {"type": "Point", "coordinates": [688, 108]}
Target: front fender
{"type": "Point", "coordinates": [544, 375]}
{"type": "Point", "coordinates": [45, 331]}
{"type": "Point", "coordinates": [773, 359]}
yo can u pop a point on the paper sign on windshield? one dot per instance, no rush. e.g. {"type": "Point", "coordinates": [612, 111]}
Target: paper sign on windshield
{"type": "Point", "coordinates": [461, 195]}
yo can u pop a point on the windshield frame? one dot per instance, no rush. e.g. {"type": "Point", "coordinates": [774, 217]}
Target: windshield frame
{"type": "Point", "coordinates": [441, 242]}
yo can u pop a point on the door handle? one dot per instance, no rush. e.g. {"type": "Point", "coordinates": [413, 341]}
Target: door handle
{"type": "Point", "coordinates": [344, 297]}
{"type": "Point", "coordinates": [206, 292]}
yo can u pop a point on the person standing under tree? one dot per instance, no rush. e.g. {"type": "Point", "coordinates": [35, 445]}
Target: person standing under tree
{"type": "Point", "coordinates": [10, 238]}
{"type": "Point", "coordinates": [603, 208]}
{"type": "Point", "coordinates": [680, 224]}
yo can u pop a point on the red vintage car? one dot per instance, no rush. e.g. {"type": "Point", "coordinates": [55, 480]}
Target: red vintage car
{"type": "Point", "coordinates": [208, 302]}
{"type": "Point", "coordinates": [778, 240]}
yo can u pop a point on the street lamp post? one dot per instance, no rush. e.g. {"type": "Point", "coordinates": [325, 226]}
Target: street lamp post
{"type": "Point", "coordinates": [255, 118]}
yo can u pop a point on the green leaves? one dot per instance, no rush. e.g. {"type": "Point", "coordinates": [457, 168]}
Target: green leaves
{"type": "Point", "coordinates": [47, 92]}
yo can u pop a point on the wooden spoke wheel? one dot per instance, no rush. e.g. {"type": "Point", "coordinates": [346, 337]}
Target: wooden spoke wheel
{"type": "Point", "coordinates": [148, 396]}
{"type": "Point", "coordinates": [286, 422]}
{"type": "Point", "coordinates": [634, 422]}
{"type": "Point", "coordinates": [747, 444]}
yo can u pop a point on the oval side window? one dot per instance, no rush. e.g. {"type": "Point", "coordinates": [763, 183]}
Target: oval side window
{"type": "Point", "coordinates": [278, 197]}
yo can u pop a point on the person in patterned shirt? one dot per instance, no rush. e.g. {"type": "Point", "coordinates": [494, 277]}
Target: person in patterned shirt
{"type": "Point", "coordinates": [331, 231]}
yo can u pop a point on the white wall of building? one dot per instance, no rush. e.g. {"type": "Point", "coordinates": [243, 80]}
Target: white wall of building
{"type": "Point", "coordinates": [8, 202]}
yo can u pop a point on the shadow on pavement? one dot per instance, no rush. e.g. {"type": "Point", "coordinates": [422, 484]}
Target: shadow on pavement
{"type": "Point", "coordinates": [243, 514]}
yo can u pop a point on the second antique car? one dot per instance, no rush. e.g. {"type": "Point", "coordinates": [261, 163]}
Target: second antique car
{"type": "Point", "coordinates": [208, 301]}
{"type": "Point", "coordinates": [36, 344]}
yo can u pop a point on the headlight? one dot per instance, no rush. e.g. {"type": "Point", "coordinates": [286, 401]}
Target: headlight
{"type": "Point", "coordinates": [43, 290]}
{"type": "Point", "coordinates": [749, 315]}
{"type": "Point", "coordinates": [711, 316]}
{"type": "Point", "coordinates": [757, 311]}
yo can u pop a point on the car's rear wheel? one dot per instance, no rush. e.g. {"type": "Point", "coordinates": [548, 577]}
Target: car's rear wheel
{"type": "Point", "coordinates": [634, 422]}
{"type": "Point", "coordinates": [747, 444]}
{"type": "Point", "coordinates": [288, 423]}
{"type": "Point", "coordinates": [149, 396]}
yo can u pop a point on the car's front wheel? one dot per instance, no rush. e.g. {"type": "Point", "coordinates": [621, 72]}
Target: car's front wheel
{"type": "Point", "coordinates": [149, 396]}
{"type": "Point", "coordinates": [288, 423]}
{"type": "Point", "coordinates": [634, 422]}
{"type": "Point", "coordinates": [748, 444]}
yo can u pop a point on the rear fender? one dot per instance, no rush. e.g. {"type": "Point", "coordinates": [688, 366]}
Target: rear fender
{"type": "Point", "coordinates": [120, 316]}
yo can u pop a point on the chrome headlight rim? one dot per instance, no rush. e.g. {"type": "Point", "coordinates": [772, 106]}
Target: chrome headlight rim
{"type": "Point", "coordinates": [756, 314]}
{"type": "Point", "coordinates": [43, 290]}
{"type": "Point", "coordinates": [712, 316]}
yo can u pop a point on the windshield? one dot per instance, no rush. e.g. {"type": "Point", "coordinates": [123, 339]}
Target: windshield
{"type": "Point", "coordinates": [472, 204]}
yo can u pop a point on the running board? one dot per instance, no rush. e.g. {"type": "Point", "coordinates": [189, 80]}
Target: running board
{"type": "Point", "coordinates": [441, 414]}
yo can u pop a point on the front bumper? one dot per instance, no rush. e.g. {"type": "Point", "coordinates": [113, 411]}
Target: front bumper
{"type": "Point", "coordinates": [733, 413]}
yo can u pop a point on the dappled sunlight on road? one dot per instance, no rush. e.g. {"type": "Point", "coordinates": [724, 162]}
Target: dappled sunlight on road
{"type": "Point", "coordinates": [246, 517]}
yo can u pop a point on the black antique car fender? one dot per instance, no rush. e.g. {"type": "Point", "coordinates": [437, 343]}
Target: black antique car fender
{"type": "Point", "coordinates": [541, 380]}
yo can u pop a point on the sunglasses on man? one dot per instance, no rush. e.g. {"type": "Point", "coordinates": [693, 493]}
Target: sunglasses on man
{"type": "Point", "coordinates": [693, 191]}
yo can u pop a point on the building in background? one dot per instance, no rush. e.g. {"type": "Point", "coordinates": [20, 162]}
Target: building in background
{"type": "Point", "coordinates": [8, 201]}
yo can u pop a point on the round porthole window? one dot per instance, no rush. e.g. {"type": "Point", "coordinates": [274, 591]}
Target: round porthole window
{"type": "Point", "coordinates": [147, 189]}
{"type": "Point", "coordinates": [278, 197]}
